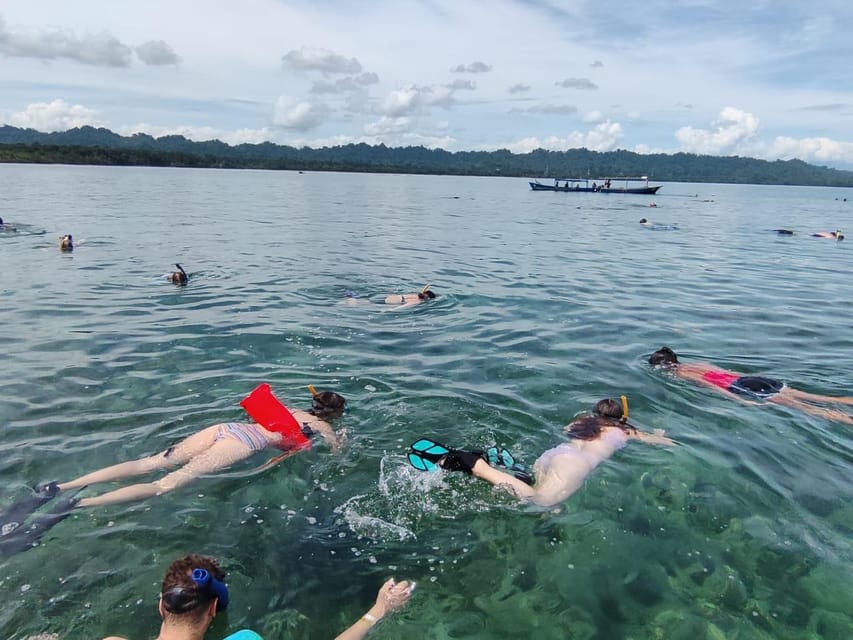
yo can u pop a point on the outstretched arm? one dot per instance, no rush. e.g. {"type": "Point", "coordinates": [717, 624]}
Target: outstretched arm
{"type": "Point", "coordinates": [655, 437]}
{"type": "Point", "coordinates": [392, 595]}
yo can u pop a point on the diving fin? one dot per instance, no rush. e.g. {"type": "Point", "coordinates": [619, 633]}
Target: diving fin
{"type": "Point", "coordinates": [26, 536]}
{"type": "Point", "coordinates": [500, 457]}
{"type": "Point", "coordinates": [424, 454]}
{"type": "Point", "coordinates": [18, 512]}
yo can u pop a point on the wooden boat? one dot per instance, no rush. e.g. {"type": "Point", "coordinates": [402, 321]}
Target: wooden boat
{"type": "Point", "coordinates": [630, 184]}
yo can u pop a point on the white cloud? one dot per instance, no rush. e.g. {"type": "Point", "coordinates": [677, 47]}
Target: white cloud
{"type": "Point", "coordinates": [811, 149]}
{"type": "Point", "coordinates": [549, 109]}
{"type": "Point", "coordinates": [412, 99]}
{"type": "Point", "coordinates": [299, 115]}
{"type": "Point", "coordinates": [57, 115]}
{"type": "Point", "coordinates": [386, 125]}
{"type": "Point", "coordinates": [462, 85]}
{"type": "Point", "coordinates": [519, 88]}
{"type": "Point", "coordinates": [593, 117]}
{"type": "Point", "coordinates": [100, 49]}
{"type": "Point", "coordinates": [732, 132]}
{"type": "Point", "coordinates": [157, 52]}
{"type": "Point", "coordinates": [596, 64]}
{"type": "Point", "coordinates": [474, 67]}
{"type": "Point", "coordinates": [316, 59]}
{"type": "Point", "coordinates": [603, 137]}
{"type": "Point", "coordinates": [343, 85]}
{"type": "Point", "coordinates": [584, 84]}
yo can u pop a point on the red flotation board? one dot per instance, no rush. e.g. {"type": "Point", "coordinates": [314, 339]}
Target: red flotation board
{"type": "Point", "coordinates": [268, 412]}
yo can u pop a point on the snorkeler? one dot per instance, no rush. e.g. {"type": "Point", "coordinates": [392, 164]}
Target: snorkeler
{"type": "Point", "coordinates": [832, 235]}
{"type": "Point", "coordinates": [212, 449]}
{"type": "Point", "coordinates": [750, 388]}
{"type": "Point", "coordinates": [66, 243]}
{"type": "Point", "coordinates": [408, 299]}
{"type": "Point", "coordinates": [559, 472]}
{"type": "Point", "coordinates": [180, 276]}
{"type": "Point", "coordinates": [194, 591]}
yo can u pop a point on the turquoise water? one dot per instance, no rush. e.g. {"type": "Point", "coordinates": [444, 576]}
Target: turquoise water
{"type": "Point", "coordinates": [547, 302]}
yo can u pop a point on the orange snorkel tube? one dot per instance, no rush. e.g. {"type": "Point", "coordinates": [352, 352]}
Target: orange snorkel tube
{"type": "Point", "coordinates": [624, 418]}
{"type": "Point", "coordinates": [263, 407]}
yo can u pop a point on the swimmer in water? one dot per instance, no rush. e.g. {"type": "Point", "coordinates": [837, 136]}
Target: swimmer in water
{"type": "Point", "coordinates": [409, 299]}
{"type": "Point", "coordinates": [66, 243]}
{"type": "Point", "coordinates": [179, 277]}
{"type": "Point", "coordinates": [832, 235]}
{"type": "Point", "coordinates": [561, 471]}
{"type": "Point", "coordinates": [750, 388]}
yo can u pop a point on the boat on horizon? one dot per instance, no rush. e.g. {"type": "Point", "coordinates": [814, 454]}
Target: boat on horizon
{"type": "Point", "coordinates": [620, 184]}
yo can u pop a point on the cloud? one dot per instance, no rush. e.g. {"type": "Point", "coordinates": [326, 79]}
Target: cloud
{"type": "Point", "coordinates": [596, 64]}
{"type": "Point", "coordinates": [413, 98]}
{"type": "Point", "coordinates": [593, 117]}
{"type": "Point", "coordinates": [603, 137]}
{"type": "Point", "coordinates": [299, 115]}
{"type": "Point", "coordinates": [462, 85]}
{"type": "Point", "coordinates": [157, 52]}
{"type": "Point", "coordinates": [57, 115]}
{"type": "Point", "coordinates": [811, 149]}
{"type": "Point", "coordinates": [343, 85]}
{"type": "Point", "coordinates": [474, 67]}
{"type": "Point", "coordinates": [101, 50]}
{"type": "Point", "coordinates": [315, 59]}
{"type": "Point", "coordinates": [550, 109]}
{"type": "Point", "coordinates": [732, 132]}
{"type": "Point", "coordinates": [577, 83]}
{"type": "Point", "coordinates": [386, 125]}
{"type": "Point", "coordinates": [834, 107]}
{"type": "Point", "coordinates": [519, 88]}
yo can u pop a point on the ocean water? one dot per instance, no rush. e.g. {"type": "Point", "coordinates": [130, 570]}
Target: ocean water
{"type": "Point", "coordinates": [546, 303]}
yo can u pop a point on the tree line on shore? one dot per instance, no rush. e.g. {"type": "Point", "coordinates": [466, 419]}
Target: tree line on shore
{"type": "Point", "coordinates": [88, 145]}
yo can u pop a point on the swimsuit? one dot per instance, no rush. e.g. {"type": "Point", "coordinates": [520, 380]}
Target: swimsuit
{"type": "Point", "coordinates": [247, 433]}
{"type": "Point", "coordinates": [750, 386]}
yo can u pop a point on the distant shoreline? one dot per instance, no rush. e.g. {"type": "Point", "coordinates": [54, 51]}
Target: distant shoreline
{"type": "Point", "coordinates": [101, 147]}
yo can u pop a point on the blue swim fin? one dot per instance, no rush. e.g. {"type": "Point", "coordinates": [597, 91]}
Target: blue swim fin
{"type": "Point", "coordinates": [500, 457]}
{"type": "Point", "coordinates": [425, 454]}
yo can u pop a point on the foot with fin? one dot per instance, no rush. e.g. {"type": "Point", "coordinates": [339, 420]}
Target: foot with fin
{"type": "Point", "coordinates": [19, 511]}
{"type": "Point", "coordinates": [26, 536]}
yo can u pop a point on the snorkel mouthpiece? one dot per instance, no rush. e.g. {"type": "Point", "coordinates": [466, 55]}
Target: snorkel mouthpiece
{"type": "Point", "coordinates": [210, 584]}
{"type": "Point", "coordinates": [624, 417]}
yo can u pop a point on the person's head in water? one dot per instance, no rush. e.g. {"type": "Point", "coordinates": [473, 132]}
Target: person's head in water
{"type": "Point", "coordinates": [186, 597]}
{"type": "Point", "coordinates": [663, 357]}
{"type": "Point", "coordinates": [426, 294]}
{"type": "Point", "coordinates": [327, 404]}
{"type": "Point", "coordinates": [643, 221]}
{"type": "Point", "coordinates": [608, 408]}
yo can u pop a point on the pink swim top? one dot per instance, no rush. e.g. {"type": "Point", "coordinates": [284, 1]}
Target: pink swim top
{"type": "Point", "coordinates": [720, 378]}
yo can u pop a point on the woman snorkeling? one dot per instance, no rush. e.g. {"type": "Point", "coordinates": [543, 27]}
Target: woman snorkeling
{"type": "Point", "coordinates": [560, 471]}
{"type": "Point", "coordinates": [408, 299]}
{"type": "Point", "coordinates": [750, 388]}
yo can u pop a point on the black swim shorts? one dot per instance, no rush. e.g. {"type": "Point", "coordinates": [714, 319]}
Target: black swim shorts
{"type": "Point", "coordinates": [756, 387]}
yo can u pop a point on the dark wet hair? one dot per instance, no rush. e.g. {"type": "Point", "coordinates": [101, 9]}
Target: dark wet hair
{"type": "Point", "coordinates": [426, 295]}
{"type": "Point", "coordinates": [663, 356]}
{"type": "Point", "coordinates": [327, 404]}
{"type": "Point", "coordinates": [642, 220]}
{"type": "Point", "coordinates": [180, 594]}
{"type": "Point", "coordinates": [608, 408]}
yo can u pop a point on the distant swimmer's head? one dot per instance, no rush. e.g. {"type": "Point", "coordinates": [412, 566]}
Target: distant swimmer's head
{"type": "Point", "coordinates": [66, 243]}
{"type": "Point", "coordinates": [349, 293]}
{"type": "Point", "coordinates": [838, 235]}
{"type": "Point", "coordinates": [1, 220]}
{"type": "Point", "coordinates": [643, 221]}
{"type": "Point", "coordinates": [180, 276]}
{"type": "Point", "coordinates": [426, 294]}
{"type": "Point", "coordinates": [784, 232]}
{"type": "Point", "coordinates": [608, 408]}
{"type": "Point", "coordinates": [190, 587]}
{"type": "Point", "coordinates": [663, 357]}
{"type": "Point", "coordinates": [326, 404]}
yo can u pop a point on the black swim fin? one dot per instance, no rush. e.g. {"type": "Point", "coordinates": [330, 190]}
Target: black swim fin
{"type": "Point", "coordinates": [26, 536]}
{"type": "Point", "coordinates": [18, 512]}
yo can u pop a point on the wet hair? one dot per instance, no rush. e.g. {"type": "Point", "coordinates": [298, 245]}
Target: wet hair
{"type": "Point", "coordinates": [426, 295]}
{"type": "Point", "coordinates": [608, 408]}
{"type": "Point", "coordinates": [663, 356]}
{"type": "Point", "coordinates": [180, 595]}
{"type": "Point", "coordinates": [180, 276]}
{"type": "Point", "coordinates": [643, 221]}
{"type": "Point", "coordinates": [327, 404]}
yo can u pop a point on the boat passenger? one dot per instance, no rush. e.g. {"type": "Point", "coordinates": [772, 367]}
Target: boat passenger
{"type": "Point", "coordinates": [747, 388]}
{"type": "Point", "coordinates": [561, 471]}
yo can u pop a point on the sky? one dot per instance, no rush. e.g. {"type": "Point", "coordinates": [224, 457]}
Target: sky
{"type": "Point", "coordinates": [770, 79]}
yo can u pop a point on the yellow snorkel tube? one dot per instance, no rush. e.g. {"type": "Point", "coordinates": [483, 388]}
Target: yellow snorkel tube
{"type": "Point", "coordinates": [312, 390]}
{"type": "Point", "coordinates": [425, 289]}
{"type": "Point", "coordinates": [624, 418]}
